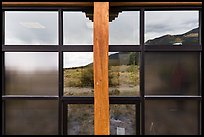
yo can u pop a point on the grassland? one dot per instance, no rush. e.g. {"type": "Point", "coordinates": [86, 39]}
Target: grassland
{"type": "Point", "coordinates": [123, 80]}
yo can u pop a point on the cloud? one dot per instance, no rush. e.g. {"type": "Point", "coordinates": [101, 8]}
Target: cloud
{"type": "Point", "coordinates": [159, 23]}
{"type": "Point", "coordinates": [77, 59]}
{"type": "Point", "coordinates": [35, 27]}
{"type": "Point", "coordinates": [78, 29]}
{"type": "Point", "coordinates": [125, 29]}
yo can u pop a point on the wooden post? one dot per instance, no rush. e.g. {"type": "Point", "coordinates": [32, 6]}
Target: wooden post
{"type": "Point", "coordinates": [100, 48]}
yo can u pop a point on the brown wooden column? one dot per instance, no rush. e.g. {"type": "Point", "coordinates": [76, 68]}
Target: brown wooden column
{"type": "Point", "coordinates": [101, 97]}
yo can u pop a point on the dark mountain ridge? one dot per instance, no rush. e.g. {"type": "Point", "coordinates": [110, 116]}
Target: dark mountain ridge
{"type": "Point", "coordinates": [188, 38]}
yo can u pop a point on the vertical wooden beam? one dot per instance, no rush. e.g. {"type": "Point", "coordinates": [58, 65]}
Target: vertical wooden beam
{"type": "Point", "coordinates": [100, 48]}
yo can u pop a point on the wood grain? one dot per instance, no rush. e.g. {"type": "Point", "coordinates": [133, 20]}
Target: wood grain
{"type": "Point", "coordinates": [72, 4]}
{"type": "Point", "coordinates": [153, 4]}
{"type": "Point", "coordinates": [101, 97]}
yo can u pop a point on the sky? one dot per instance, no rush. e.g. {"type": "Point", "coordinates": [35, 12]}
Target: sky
{"type": "Point", "coordinates": [159, 23]}
{"type": "Point", "coordinates": [41, 28]}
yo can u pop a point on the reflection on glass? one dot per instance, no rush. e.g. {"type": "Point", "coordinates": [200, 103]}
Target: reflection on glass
{"type": "Point", "coordinates": [176, 117]}
{"type": "Point", "coordinates": [80, 119]}
{"type": "Point", "coordinates": [78, 73]}
{"type": "Point", "coordinates": [172, 73]}
{"type": "Point", "coordinates": [78, 29]}
{"type": "Point", "coordinates": [124, 73]}
{"type": "Point", "coordinates": [31, 73]}
{"type": "Point", "coordinates": [31, 28]}
{"type": "Point", "coordinates": [124, 29]}
{"type": "Point", "coordinates": [31, 117]}
{"type": "Point", "coordinates": [122, 119]}
{"type": "Point", "coordinates": [171, 27]}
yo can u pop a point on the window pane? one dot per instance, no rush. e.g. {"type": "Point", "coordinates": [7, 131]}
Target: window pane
{"type": "Point", "coordinates": [176, 117]}
{"type": "Point", "coordinates": [171, 27]}
{"type": "Point", "coordinates": [31, 73]}
{"type": "Point", "coordinates": [172, 73]}
{"type": "Point", "coordinates": [124, 29]}
{"type": "Point", "coordinates": [31, 28]}
{"type": "Point", "coordinates": [122, 119]}
{"type": "Point", "coordinates": [78, 74]}
{"type": "Point", "coordinates": [31, 117]}
{"type": "Point", "coordinates": [78, 29]}
{"type": "Point", "coordinates": [80, 119]}
{"type": "Point", "coordinates": [124, 73]}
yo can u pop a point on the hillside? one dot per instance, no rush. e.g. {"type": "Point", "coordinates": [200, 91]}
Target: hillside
{"type": "Point", "coordinates": [188, 38]}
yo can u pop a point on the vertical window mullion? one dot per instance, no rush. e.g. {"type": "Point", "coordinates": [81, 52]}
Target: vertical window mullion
{"type": "Point", "coordinates": [142, 92]}
{"type": "Point", "coordinates": [61, 116]}
{"type": "Point", "coordinates": [3, 73]}
{"type": "Point", "coordinates": [200, 27]}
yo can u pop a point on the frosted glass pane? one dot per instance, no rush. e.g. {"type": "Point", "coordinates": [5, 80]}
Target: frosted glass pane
{"type": "Point", "coordinates": [172, 73]}
{"type": "Point", "coordinates": [31, 117]}
{"type": "Point", "coordinates": [171, 117]}
{"type": "Point", "coordinates": [31, 73]}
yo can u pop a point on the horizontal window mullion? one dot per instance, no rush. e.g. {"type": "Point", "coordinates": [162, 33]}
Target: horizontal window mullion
{"type": "Point", "coordinates": [77, 48]}
{"type": "Point", "coordinates": [20, 48]}
{"type": "Point", "coordinates": [117, 48]}
{"type": "Point", "coordinates": [90, 100]}
{"type": "Point", "coordinates": [174, 97]}
{"type": "Point", "coordinates": [29, 97]}
{"type": "Point", "coordinates": [172, 48]}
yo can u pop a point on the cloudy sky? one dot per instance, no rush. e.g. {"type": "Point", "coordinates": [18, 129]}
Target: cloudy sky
{"type": "Point", "coordinates": [159, 23]}
{"type": "Point", "coordinates": [42, 28]}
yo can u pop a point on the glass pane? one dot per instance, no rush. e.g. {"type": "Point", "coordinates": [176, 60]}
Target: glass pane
{"type": "Point", "coordinates": [172, 73]}
{"type": "Point", "coordinates": [171, 27]}
{"type": "Point", "coordinates": [78, 74]}
{"type": "Point", "coordinates": [175, 117]}
{"type": "Point", "coordinates": [31, 73]}
{"type": "Point", "coordinates": [78, 29]}
{"type": "Point", "coordinates": [124, 29]}
{"type": "Point", "coordinates": [31, 28]}
{"type": "Point", "coordinates": [80, 119]}
{"type": "Point", "coordinates": [31, 117]}
{"type": "Point", "coordinates": [122, 119]}
{"type": "Point", "coordinates": [124, 73]}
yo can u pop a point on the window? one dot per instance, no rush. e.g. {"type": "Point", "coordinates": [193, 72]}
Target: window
{"type": "Point", "coordinates": [124, 74]}
{"type": "Point", "coordinates": [172, 27]}
{"type": "Point", "coordinates": [78, 74]}
{"type": "Point", "coordinates": [31, 73]}
{"type": "Point", "coordinates": [154, 70]}
{"type": "Point", "coordinates": [78, 29]}
{"type": "Point", "coordinates": [122, 30]}
{"type": "Point", "coordinates": [31, 28]}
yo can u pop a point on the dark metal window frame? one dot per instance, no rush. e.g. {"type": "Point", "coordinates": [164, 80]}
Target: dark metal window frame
{"type": "Point", "coordinates": [139, 101]}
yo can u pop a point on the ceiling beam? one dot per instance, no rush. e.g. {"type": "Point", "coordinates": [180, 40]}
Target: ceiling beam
{"type": "Point", "coordinates": [112, 4]}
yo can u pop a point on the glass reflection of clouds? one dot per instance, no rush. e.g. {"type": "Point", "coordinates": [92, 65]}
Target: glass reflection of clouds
{"type": "Point", "coordinates": [78, 29]}
{"type": "Point", "coordinates": [31, 28]}
{"type": "Point", "coordinates": [125, 29]}
{"type": "Point", "coordinates": [160, 23]}
{"type": "Point", "coordinates": [77, 59]}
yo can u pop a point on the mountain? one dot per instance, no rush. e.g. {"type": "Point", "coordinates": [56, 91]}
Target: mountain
{"type": "Point", "coordinates": [188, 38]}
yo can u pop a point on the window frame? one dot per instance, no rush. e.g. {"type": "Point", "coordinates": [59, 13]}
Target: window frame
{"type": "Point", "coordinates": [60, 48]}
